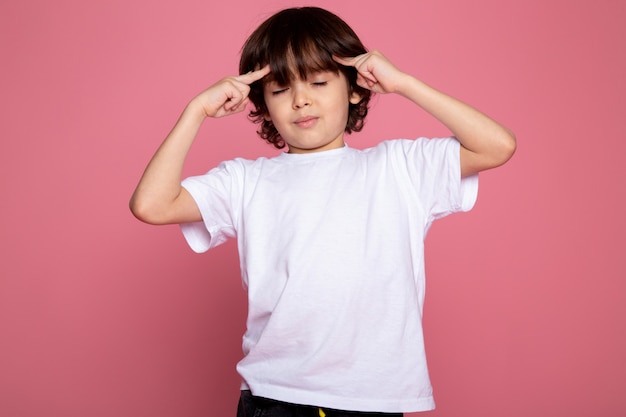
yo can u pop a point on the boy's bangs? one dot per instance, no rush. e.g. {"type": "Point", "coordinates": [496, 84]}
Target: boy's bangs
{"type": "Point", "coordinates": [297, 60]}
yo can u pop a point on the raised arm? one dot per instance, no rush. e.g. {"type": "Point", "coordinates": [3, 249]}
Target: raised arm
{"type": "Point", "coordinates": [485, 143]}
{"type": "Point", "coordinates": [159, 197]}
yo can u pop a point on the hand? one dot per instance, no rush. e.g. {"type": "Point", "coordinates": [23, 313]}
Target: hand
{"type": "Point", "coordinates": [229, 95]}
{"type": "Point", "coordinates": [375, 72]}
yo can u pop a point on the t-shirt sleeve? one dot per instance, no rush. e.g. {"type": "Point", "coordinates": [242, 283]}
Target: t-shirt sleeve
{"type": "Point", "coordinates": [214, 193]}
{"type": "Point", "coordinates": [434, 167]}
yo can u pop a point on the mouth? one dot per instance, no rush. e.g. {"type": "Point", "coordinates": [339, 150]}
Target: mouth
{"type": "Point", "coordinates": [306, 121]}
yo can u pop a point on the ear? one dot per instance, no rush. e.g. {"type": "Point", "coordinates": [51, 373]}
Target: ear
{"type": "Point", "coordinates": [355, 97]}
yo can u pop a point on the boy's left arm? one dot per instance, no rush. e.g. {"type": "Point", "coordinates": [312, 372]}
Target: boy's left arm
{"type": "Point", "coordinates": [485, 143]}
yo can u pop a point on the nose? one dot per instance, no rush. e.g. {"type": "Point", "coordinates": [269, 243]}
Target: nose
{"type": "Point", "coordinates": [301, 97]}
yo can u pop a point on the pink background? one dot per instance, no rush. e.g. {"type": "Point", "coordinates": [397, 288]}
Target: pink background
{"type": "Point", "coordinates": [101, 315]}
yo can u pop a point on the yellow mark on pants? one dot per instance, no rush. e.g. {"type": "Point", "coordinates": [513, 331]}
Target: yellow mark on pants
{"type": "Point", "coordinates": [322, 413]}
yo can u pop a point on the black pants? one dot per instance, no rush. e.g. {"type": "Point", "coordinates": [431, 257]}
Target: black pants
{"type": "Point", "coordinates": [251, 406]}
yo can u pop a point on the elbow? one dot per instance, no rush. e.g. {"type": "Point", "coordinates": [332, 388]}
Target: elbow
{"type": "Point", "coordinates": [497, 152]}
{"type": "Point", "coordinates": [503, 149]}
{"type": "Point", "coordinates": [138, 210]}
{"type": "Point", "coordinates": [144, 212]}
{"type": "Point", "coordinates": [153, 208]}
{"type": "Point", "coordinates": [507, 145]}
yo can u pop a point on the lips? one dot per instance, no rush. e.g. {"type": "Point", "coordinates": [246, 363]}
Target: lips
{"type": "Point", "coordinates": [306, 121]}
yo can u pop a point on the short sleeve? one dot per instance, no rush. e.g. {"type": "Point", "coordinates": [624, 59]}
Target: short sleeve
{"type": "Point", "coordinates": [214, 193]}
{"type": "Point", "coordinates": [434, 169]}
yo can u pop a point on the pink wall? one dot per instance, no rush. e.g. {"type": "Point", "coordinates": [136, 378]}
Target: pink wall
{"type": "Point", "coordinates": [101, 315]}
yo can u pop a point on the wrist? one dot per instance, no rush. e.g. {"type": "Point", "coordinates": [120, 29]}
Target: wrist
{"type": "Point", "coordinates": [414, 89]}
{"type": "Point", "coordinates": [195, 110]}
{"type": "Point", "coordinates": [404, 83]}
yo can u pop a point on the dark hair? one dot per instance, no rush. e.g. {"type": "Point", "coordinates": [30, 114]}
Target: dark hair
{"type": "Point", "coordinates": [296, 42]}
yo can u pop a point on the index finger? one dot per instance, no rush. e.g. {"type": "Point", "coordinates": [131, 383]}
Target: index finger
{"type": "Point", "coordinates": [347, 61]}
{"type": "Point", "coordinates": [357, 62]}
{"type": "Point", "coordinates": [253, 76]}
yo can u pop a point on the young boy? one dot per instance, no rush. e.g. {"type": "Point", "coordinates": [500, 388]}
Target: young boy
{"type": "Point", "coordinates": [330, 238]}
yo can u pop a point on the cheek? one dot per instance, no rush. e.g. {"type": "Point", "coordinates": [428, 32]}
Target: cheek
{"type": "Point", "coordinates": [342, 107]}
{"type": "Point", "coordinates": [270, 105]}
{"type": "Point", "coordinates": [270, 110]}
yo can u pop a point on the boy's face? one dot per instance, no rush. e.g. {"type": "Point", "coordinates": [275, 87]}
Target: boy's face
{"type": "Point", "coordinates": [311, 114]}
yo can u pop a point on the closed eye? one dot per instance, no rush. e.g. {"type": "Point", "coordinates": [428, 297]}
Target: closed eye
{"type": "Point", "coordinates": [277, 92]}
{"type": "Point", "coordinates": [320, 83]}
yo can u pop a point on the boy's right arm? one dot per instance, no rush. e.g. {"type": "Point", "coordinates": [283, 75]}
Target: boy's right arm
{"type": "Point", "coordinates": [159, 197]}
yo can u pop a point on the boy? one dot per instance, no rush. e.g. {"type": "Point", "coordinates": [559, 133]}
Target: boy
{"type": "Point", "coordinates": [330, 238]}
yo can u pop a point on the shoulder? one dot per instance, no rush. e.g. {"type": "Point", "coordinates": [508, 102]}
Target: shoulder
{"type": "Point", "coordinates": [420, 147]}
{"type": "Point", "coordinates": [238, 165]}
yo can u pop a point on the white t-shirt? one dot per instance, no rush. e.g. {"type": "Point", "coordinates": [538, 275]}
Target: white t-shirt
{"type": "Point", "coordinates": [332, 256]}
